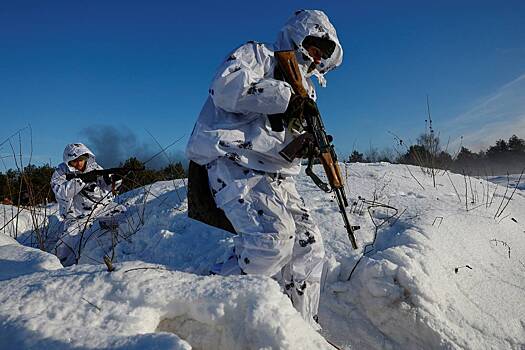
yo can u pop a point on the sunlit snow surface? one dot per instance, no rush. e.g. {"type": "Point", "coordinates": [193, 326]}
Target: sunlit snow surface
{"type": "Point", "coordinates": [445, 272]}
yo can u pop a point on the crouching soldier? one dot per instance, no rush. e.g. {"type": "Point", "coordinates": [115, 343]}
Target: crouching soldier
{"type": "Point", "coordinates": [250, 116]}
{"type": "Point", "coordinates": [82, 201]}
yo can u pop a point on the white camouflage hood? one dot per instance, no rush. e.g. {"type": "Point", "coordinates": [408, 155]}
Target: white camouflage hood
{"type": "Point", "coordinates": [310, 23]}
{"type": "Point", "coordinates": [75, 150]}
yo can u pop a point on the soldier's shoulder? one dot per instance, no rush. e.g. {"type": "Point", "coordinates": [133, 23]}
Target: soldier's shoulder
{"type": "Point", "coordinates": [62, 168]}
{"type": "Point", "coordinates": [248, 49]}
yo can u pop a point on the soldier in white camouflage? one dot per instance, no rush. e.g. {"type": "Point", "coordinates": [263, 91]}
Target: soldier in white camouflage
{"type": "Point", "coordinates": [245, 122]}
{"type": "Point", "coordinates": [80, 202]}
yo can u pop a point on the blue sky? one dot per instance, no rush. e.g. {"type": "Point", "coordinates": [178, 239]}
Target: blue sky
{"type": "Point", "coordinates": [70, 68]}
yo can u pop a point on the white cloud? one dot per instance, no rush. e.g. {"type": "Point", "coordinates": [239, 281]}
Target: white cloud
{"type": "Point", "coordinates": [497, 116]}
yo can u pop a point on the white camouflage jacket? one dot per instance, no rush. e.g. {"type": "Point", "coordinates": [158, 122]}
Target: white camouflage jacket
{"type": "Point", "coordinates": [234, 120]}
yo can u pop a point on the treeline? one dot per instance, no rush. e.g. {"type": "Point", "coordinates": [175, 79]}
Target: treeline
{"type": "Point", "coordinates": [32, 184]}
{"type": "Point", "coordinates": [149, 176]}
{"type": "Point", "coordinates": [502, 157]}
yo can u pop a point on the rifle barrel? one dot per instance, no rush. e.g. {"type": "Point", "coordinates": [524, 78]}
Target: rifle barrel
{"type": "Point", "coordinates": [342, 210]}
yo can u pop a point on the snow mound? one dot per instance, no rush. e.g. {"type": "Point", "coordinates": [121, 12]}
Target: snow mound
{"type": "Point", "coordinates": [148, 307]}
{"type": "Point", "coordinates": [20, 221]}
{"type": "Point", "coordinates": [159, 231]}
{"type": "Point", "coordinates": [513, 180]}
{"type": "Point", "coordinates": [445, 272]}
{"type": "Point", "coordinates": [17, 260]}
{"type": "Point", "coordinates": [5, 240]}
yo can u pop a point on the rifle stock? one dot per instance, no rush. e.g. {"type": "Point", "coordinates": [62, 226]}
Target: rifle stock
{"type": "Point", "coordinates": [290, 68]}
{"type": "Point", "coordinates": [321, 141]}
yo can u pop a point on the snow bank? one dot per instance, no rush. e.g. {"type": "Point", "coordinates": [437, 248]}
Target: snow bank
{"type": "Point", "coordinates": [446, 271]}
{"type": "Point", "coordinates": [443, 274]}
{"type": "Point", "coordinates": [148, 307]}
{"type": "Point", "coordinates": [5, 240]}
{"type": "Point", "coordinates": [158, 230]}
{"type": "Point", "coordinates": [22, 223]}
{"type": "Point", "coordinates": [151, 306]}
{"type": "Point", "coordinates": [17, 260]}
{"type": "Point", "coordinates": [14, 221]}
{"type": "Point", "coordinates": [513, 180]}
{"type": "Point", "coordinates": [405, 293]}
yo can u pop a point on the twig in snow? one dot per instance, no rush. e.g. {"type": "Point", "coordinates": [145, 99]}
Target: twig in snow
{"type": "Point", "coordinates": [493, 195]}
{"type": "Point", "coordinates": [505, 244]}
{"type": "Point", "coordinates": [510, 198]}
{"type": "Point", "coordinates": [466, 191]}
{"type": "Point", "coordinates": [90, 303]}
{"type": "Point", "coordinates": [504, 195]}
{"type": "Point", "coordinates": [147, 268]}
{"type": "Point", "coordinates": [474, 194]}
{"type": "Point", "coordinates": [109, 263]}
{"type": "Point", "coordinates": [372, 205]}
{"type": "Point", "coordinates": [456, 270]}
{"type": "Point", "coordinates": [438, 219]}
{"type": "Point", "coordinates": [394, 222]}
{"type": "Point", "coordinates": [503, 218]}
{"type": "Point", "coordinates": [455, 189]}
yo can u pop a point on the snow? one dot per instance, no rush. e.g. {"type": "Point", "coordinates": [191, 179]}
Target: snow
{"type": "Point", "coordinates": [407, 288]}
{"type": "Point", "coordinates": [445, 272]}
{"type": "Point", "coordinates": [23, 222]}
{"type": "Point", "coordinates": [13, 221]}
{"type": "Point", "coordinates": [87, 307]}
{"type": "Point", "coordinates": [511, 180]}
{"type": "Point", "coordinates": [17, 260]}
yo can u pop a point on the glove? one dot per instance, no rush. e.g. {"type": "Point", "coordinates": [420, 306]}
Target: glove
{"type": "Point", "coordinates": [107, 179]}
{"type": "Point", "coordinates": [298, 107]}
{"type": "Point", "coordinates": [293, 117]}
{"type": "Point", "coordinates": [90, 187]}
{"type": "Point", "coordinates": [85, 177]}
{"type": "Point", "coordinates": [309, 148]}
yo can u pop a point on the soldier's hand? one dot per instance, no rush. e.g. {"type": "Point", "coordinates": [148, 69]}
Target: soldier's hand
{"type": "Point", "coordinates": [88, 177]}
{"type": "Point", "coordinates": [299, 106]}
{"type": "Point", "coordinates": [309, 149]}
{"type": "Point", "coordinates": [107, 179]}
{"type": "Point", "coordinates": [309, 107]}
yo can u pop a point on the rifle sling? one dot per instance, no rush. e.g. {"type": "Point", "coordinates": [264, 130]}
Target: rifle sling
{"type": "Point", "coordinates": [84, 193]}
{"type": "Point", "coordinates": [309, 171]}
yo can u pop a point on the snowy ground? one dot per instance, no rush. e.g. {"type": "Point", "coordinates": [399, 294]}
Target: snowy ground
{"type": "Point", "coordinates": [513, 180]}
{"type": "Point", "coordinates": [447, 270]}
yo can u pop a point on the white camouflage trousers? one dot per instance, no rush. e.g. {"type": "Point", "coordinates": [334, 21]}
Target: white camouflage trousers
{"type": "Point", "coordinates": [76, 232]}
{"type": "Point", "coordinates": [276, 235]}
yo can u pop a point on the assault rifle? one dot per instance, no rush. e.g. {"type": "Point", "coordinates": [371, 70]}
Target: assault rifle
{"type": "Point", "coordinates": [92, 175]}
{"type": "Point", "coordinates": [316, 142]}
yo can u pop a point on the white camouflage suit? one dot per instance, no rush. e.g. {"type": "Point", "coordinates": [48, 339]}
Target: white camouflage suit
{"type": "Point", "coordinates": [80, 203]}
{"type": "Point", "coordinates": [250, 181]}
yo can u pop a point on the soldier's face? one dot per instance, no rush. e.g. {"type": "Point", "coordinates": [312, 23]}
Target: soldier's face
{"type": "Point", "coordinates": [79, 163]}
{"type": "Point", "coordinates": [315, 53]}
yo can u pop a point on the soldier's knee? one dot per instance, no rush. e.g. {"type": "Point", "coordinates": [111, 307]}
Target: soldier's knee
{"type": "Point", "coordinates": [266, 258]}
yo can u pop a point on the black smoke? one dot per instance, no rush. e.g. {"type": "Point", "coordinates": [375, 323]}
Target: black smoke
{"type": "Point", "coordinates": [113, 146]}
